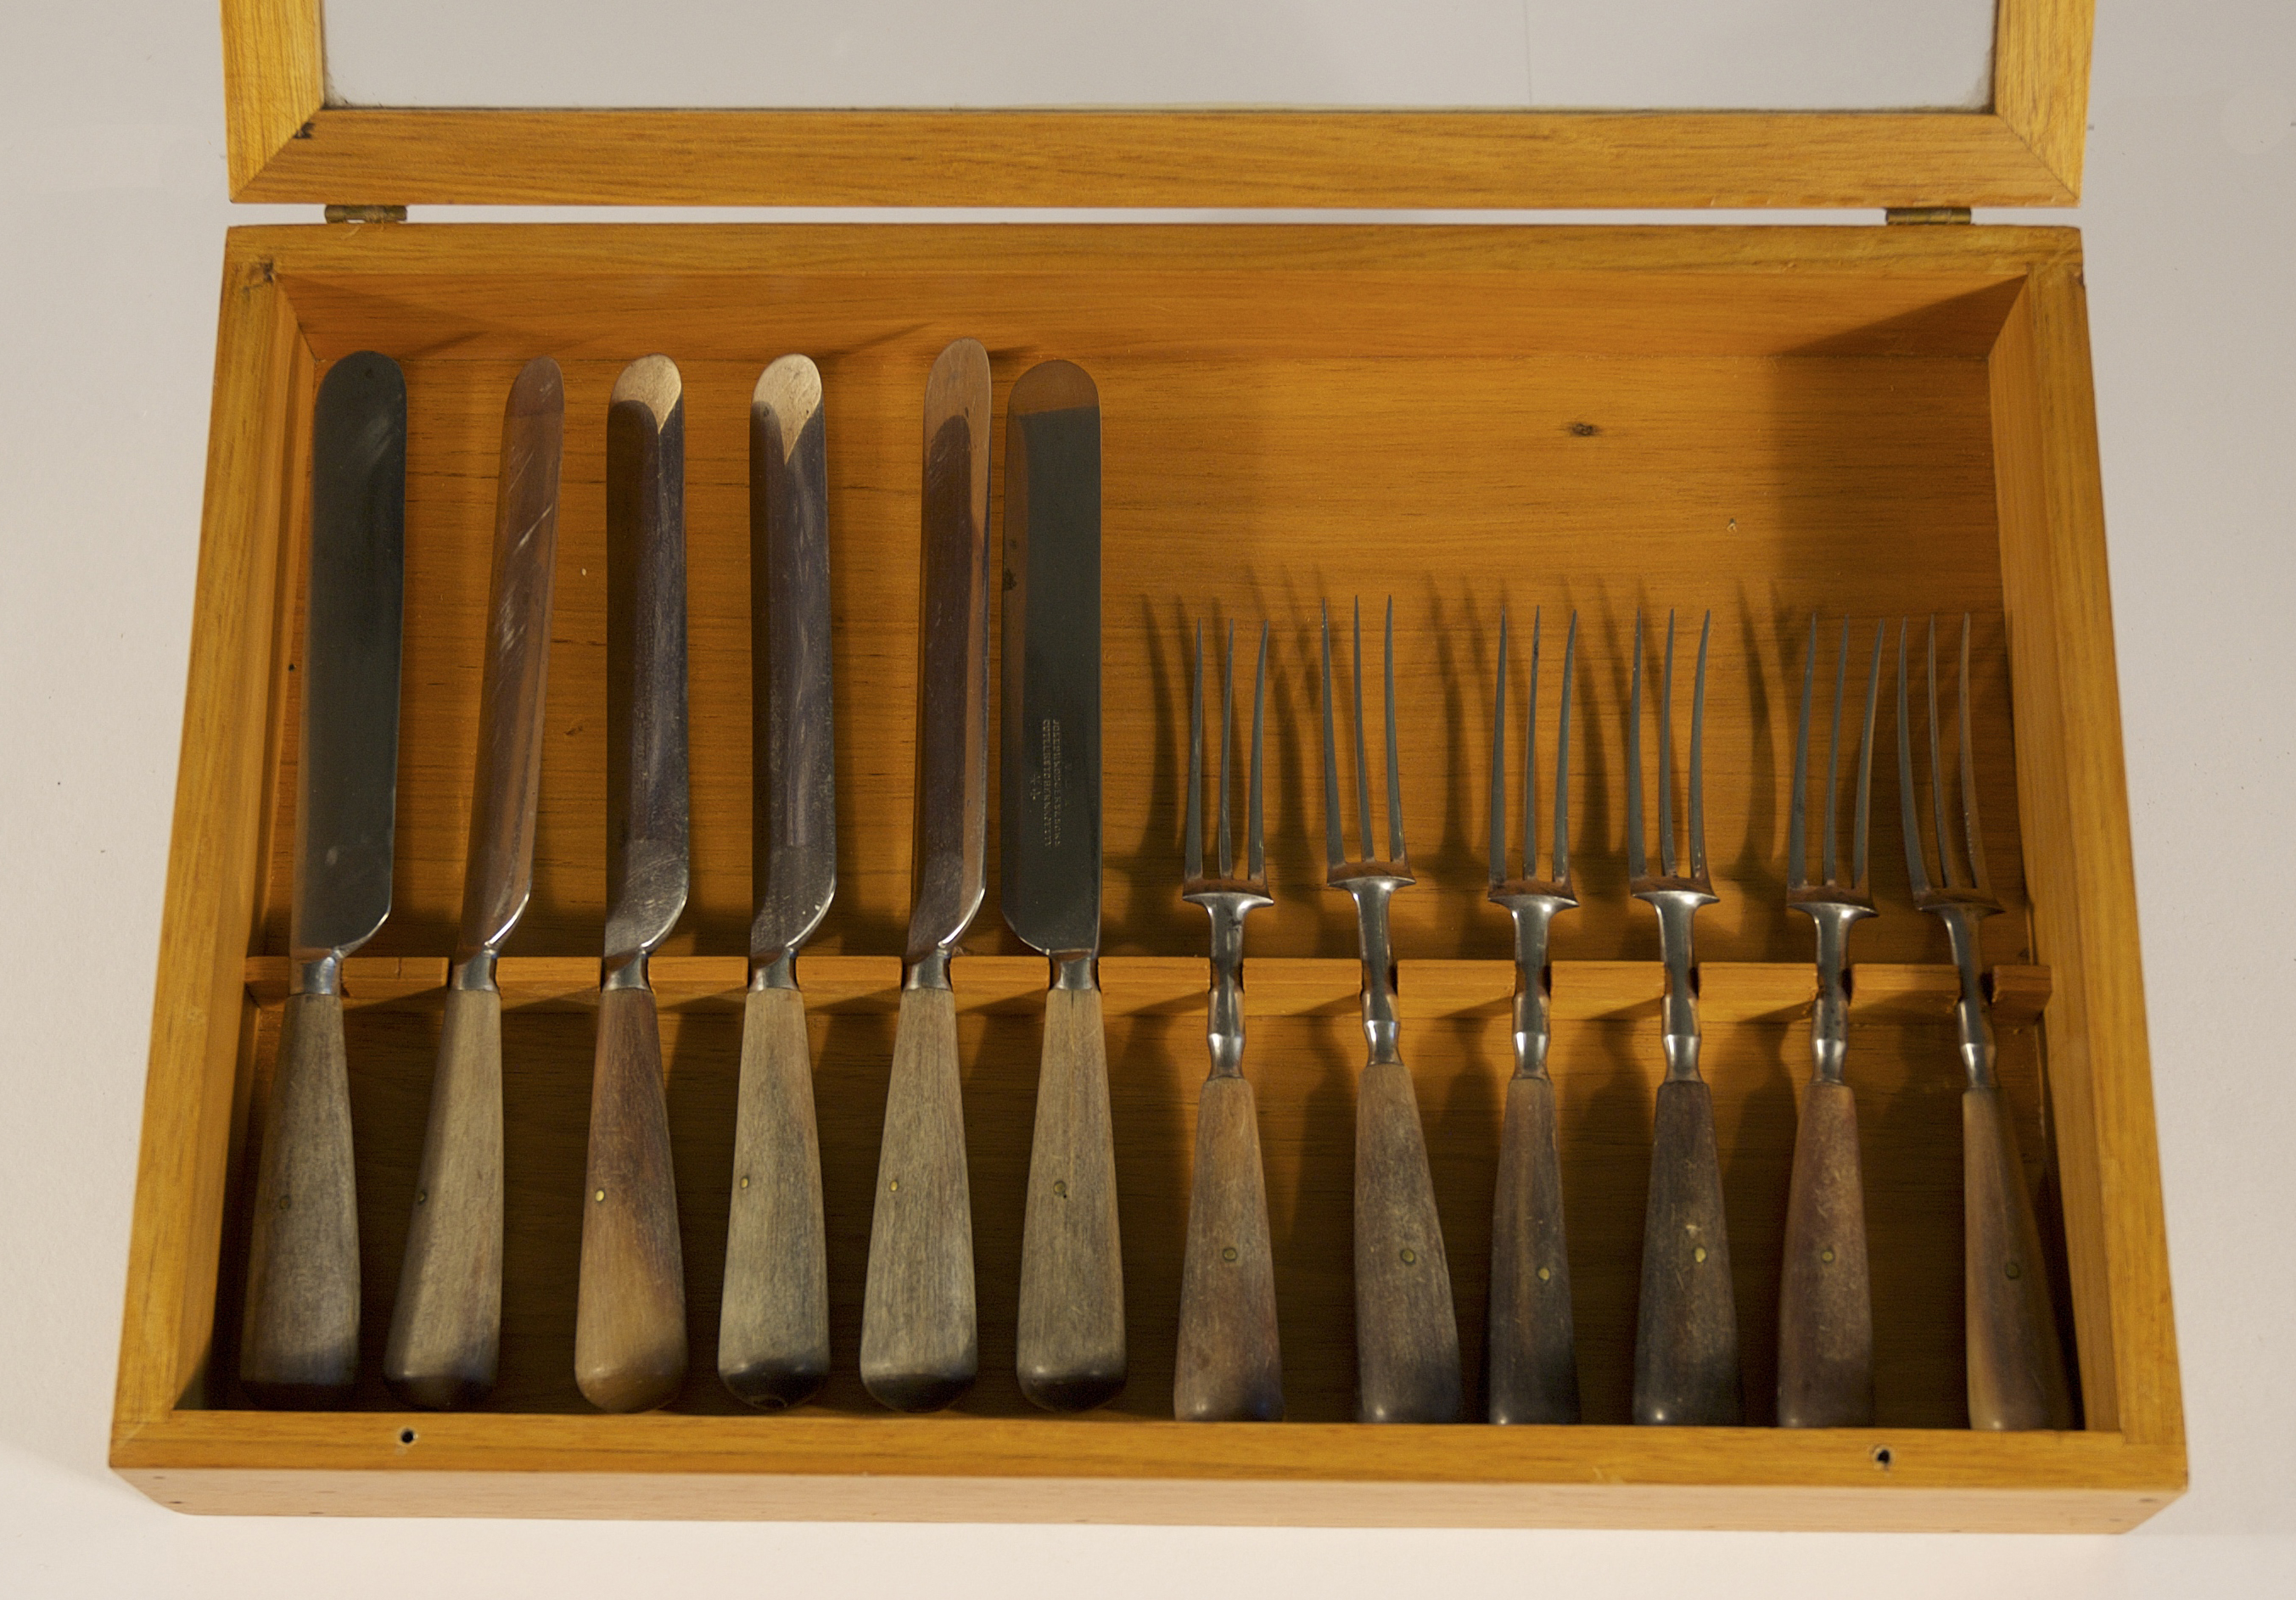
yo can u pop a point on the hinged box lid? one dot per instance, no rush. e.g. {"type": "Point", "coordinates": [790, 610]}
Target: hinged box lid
{"type": "Point", "coordinates": [291, 140]}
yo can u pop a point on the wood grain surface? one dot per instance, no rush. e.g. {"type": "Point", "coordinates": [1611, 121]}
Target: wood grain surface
{"type": "Point", "coordinates": [773, 1329]}
{"type": "Point", "coordinates": [1227, 1363]}
{"type": "Point", "coordinates": [1826, 1304]}
{"type": "Point", "coordinates": [1071, 1336]}
{"type": "Point", "coordinates": [629, 1321]}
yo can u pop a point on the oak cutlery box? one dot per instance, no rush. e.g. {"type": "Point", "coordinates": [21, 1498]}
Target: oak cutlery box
{"type": "Point", "coordinates": [1870, 420]}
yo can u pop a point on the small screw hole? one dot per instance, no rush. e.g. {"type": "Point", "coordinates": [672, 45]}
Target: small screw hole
{"type": "Point", "coordinates": [407, 1436]}
{"type": "Point", "coordinates": [1882, 1457]}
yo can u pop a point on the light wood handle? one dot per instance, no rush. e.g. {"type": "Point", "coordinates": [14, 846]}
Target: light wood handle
{"type": "Point", "coordinates": [1825, 1306]}
{"type": "Point", "coordinates": [1406, 1331]}
{"type": "Point", "coordinates": [1534, 1357]}
{"type": "Point", "coordinates": [2016, 1366]}
{"type": "Point", "coordinates": [773, 1334]}
{"type": "Point", "coordinates": [919, 1339]}
{"type": "Point", "coordinates": [445, 1329]}
{"type": "Point", "coordinates": [299, 1337]}
{"type": "Point", "coordinates": [629, 1319]}
{"type": "Point", "coordinates": [1071, 1345]}
{"type": "Point", "coordinates": [1686, 1338]}
{"type": "Point", "coordinates": [1230, 1366]}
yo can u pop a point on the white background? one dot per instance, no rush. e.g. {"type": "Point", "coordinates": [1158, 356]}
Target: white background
{"type": "Point", "coordinates": [112, 218]}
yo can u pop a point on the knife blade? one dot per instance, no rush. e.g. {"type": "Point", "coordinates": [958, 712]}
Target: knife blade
{"type": "Point", "coordinates": [772, 1337]}
{"type": "Point", "coordinates": [629, 1335]}
{"type": "Point", "coordinates": [919, 1347]}
{"type": "Point", "coordinates": [298, 1342]}
{"type": "Point", "coordinates": [1071, 1347]}
{"type": "Point", "coordinates": [446, 1326]}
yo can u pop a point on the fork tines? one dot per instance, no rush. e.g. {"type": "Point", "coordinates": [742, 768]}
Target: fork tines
{"type": "Point", "coordinates": [1961, 874]}
{"type": "Point", "coordinates": [1396, 862]}
{"type": "Point", "coordinates": [1255, 870]}
{"type": "Point", "coordinates": [1637, 863]}
{"type": "Point", "coordinates": [1831, 885]}
{"type": "Point", "coordinates": [1559, 858]}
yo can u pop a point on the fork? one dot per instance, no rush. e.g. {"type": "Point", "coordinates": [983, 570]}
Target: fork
{"type": "Point", "coordinates": [2016, 1366]}
{"type": "Point", "coordinates": [1686, 1336]}
{"type": "Point", "coordinates": [1826, 1308]}
{"type": "Point", "coordinates": [1407, 1332]}
{"type": "Point", "coordinates": [1534, 1361]}
{"type": "Point", "coordinates": [1230, 1367]}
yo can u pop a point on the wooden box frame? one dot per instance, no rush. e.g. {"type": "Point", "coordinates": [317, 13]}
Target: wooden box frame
{"type": "Point", "coordinates": [2010, 299]}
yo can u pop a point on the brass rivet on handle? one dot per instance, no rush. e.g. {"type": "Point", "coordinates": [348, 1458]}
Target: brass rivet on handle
{"type": "Point", "coordinates": [2014, 1270]}
{"type": "Point", "coordinates": [1228, 1255]}
{"type": "Point", "coordinates": [600, 1196]}
{"type": "Point", "coordinates": [1409, 1255]}
{"type": "Point", "coordinates": [1699, 1254]}
{"type": "Point", "coordinates": [1545, 1273]}
{"type": "Point", "coordinates": [1826, 1255]}
{"type": "Point", "coordinates": [895, 1185]}
{"type": "Point", "coordinates": [745, 1181]}
{"type": "Point", "coordinates": [1061, 1188]}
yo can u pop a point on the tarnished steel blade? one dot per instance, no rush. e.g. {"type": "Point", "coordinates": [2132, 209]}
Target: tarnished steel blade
{"type": "Point", "coordinates": [349, 765]}
{"type": "Point", "coordinates": [1049, 813]}
{"type": "Point", "coordinates": [949, 868]}
{"type": "Point", "coordinates": [795, 780]}
{"type": "Point", "coordinates": [501, 868]}
{"type": "Point", "coordinates": [647, 867]}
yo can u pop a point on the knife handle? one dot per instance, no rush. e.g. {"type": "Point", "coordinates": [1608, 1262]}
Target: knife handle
{"type": "Point", "coordinates": [1534, 1356]}
{"type": "Point", "coordinates": [2016, 1365]}
{"type": "Point", "coordinates": [1230, 1365]}
{"type": "Point", "coordinates": [1686, 1338]}
{"type": "Point", "coordinates": [300, 1336]}
{"type": "Point", "coordinates": [629, 1320]}
{"type": "Point", "coordinates": [1825, 1306]}
{"type": "Point", "coordinates": [920, 1344]}
{"type": "Point", "coordinates": [445, 1329]}
{"type": "Point", "coordinates": [1072, 1335]}
{"type": "Point", "coordinates": [773, 1333]}
{"type": "Point", "coordinates": [1406, 1331]}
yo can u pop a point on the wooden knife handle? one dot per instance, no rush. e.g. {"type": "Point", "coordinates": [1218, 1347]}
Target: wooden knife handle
{"type": "Point", "coordinates": [1231, 1366]}
{"type": "Point", "coordinates": [919, 1339]}
{"type": "Point", "coordinates": [1071, 1346]}
{"type": "Point", "coordinates": [1686, 1340]}
{"type": "Point", "coordinates": [299, 1337]}
{"type": "Point", "coordinates": [1407, 1332]}
{"type": "Point", "coordinates": [1534, 1357]}
{"type": "Point", "coordinates": [2016, 1366]}
{"type": "Point", "coordinates": [773, 1334]}
{"type": "Point", "coordinates": [445, 1329]}
{"type": "Point", "coordinates": [629, 1319]}
{"type": "Point", "coordinates": [1826, 1306]}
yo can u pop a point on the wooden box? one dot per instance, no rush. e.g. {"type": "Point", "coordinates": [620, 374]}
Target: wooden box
{"type": "Point", "coordinates": [1763, 422]}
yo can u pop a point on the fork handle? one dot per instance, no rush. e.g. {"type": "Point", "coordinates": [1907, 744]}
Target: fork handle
{"type": "Point", "coordinates": [1230, 1365]}
{"type": "Point", "coordinates": [1686, 1338]}
{"type": "Point", "coordinates": [1825, 1306]}
{"type": "Point", "coordinates": [1533, 1359]}
{"type": "Point", "coordinates": [2016, 1365]}
{"type": "Point", "coordinates": [1407, 1332]}
{"type": "Point", "coordinates": [773, 1332]}
{"type": "Point", "coordinates": [1071, 1346]}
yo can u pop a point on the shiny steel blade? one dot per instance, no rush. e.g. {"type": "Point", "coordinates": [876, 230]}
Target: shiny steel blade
{"type": "Point", "coordinates": [1362, 762]}
{"type": "Point", "coordinates": [1530, 755]}
{"type": "Point", "coordinates": [500, 873]}
{"type": "Point", "coordinates": [348, 783]}
{"type": "Point", "coordinates": [646, 862]}
{"type": "Point", "coordinates": [1227, 709]}
{"type": "Point", "coordinates": [1698, 755]}
{"type": "Point", "coordinates": [948, 870]}
{"type": "Point", "coordinates": [1050, 802]}
{"type": "Point", "coordinates": [1666, 756]}
{"type": "Point", "coordinates": [1938, 813]}
{"type": "Point", "coordinates": [795, 775]}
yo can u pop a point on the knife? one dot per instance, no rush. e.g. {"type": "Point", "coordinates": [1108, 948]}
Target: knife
{"type": "Point", "coordinates": [629, 1334]}
{"type": "Point", "coordinates": [445, 1329]}
{"type": "Point", "coordinates": [298, 1339]}
{"type": "Point", "coordinates": [773, 1333]}
{"type": "Point", "coordinates": [920, 1346]}
{"type": "Point", "coordinates": [1072, 1335]}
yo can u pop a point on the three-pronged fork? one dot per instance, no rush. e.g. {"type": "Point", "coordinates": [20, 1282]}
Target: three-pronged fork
{"type": "Point", "coordinates": [1826, 1310]}
{"type": "Point", "coordinates": [2016, 1366]}
{"type": "Point", "coordinates": [1686, 1337]}
{"type": "Point", "coordinates": [1407, 1334]}
{"type": "Point", "coordinates": [1534, 1360]}
{"type": "Point", "coordinates": [1230, 1367]}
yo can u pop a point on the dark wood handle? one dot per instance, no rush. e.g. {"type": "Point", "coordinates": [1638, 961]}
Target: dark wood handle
{"type": "Point", "coordinates": [1070, 1348]}
{"type": "Point", "coordinates": [1825, 1306]}
{"type": "Point", "coordinates": [2016, 1366]}
{"type": "Point", "coordinates": [1686, 1338]}
{"type": "Point", "coordinates": [772, 1335]}
{"type": "Point", "coordinates": [1407, 1332]}
{"type": "Point", "coordinates": [299, 1340]}
{"type": "Point", "coordinates": [1230, 1365]}
{"type": "Point", "coordinates": [629, 1319]}
{"type": "Point", "coordinates": [446, 1328]}
{"type": "Point", "coordinates": [919, 1339]}
{"type": "Point", "coordinates": [1534, 1357]}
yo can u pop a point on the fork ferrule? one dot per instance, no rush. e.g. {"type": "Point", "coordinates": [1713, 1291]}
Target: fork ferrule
{"type": "Point", "coordinates": [1678, 1033]}
{"type": "Point", "coordinates": [1223, 1012]}
{"type": "Point", "coordinates": [1971, 1013]}
{"type": "Point", "coordinates": [1380, 1027]}
{"type": "Point", "coordinates": [1534, 992]}
{"type": "Point", "coordinates": [1829, 1018]}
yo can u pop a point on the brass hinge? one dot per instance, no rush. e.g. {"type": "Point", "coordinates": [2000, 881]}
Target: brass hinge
{"type": "Point", "coordinates": [367, 213]}
{"type": "Point", "coordinates": [1931, 215]}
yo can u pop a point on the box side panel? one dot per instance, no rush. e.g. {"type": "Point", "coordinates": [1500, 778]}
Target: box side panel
{"type": "Point", "coordinates": [274, 78]}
